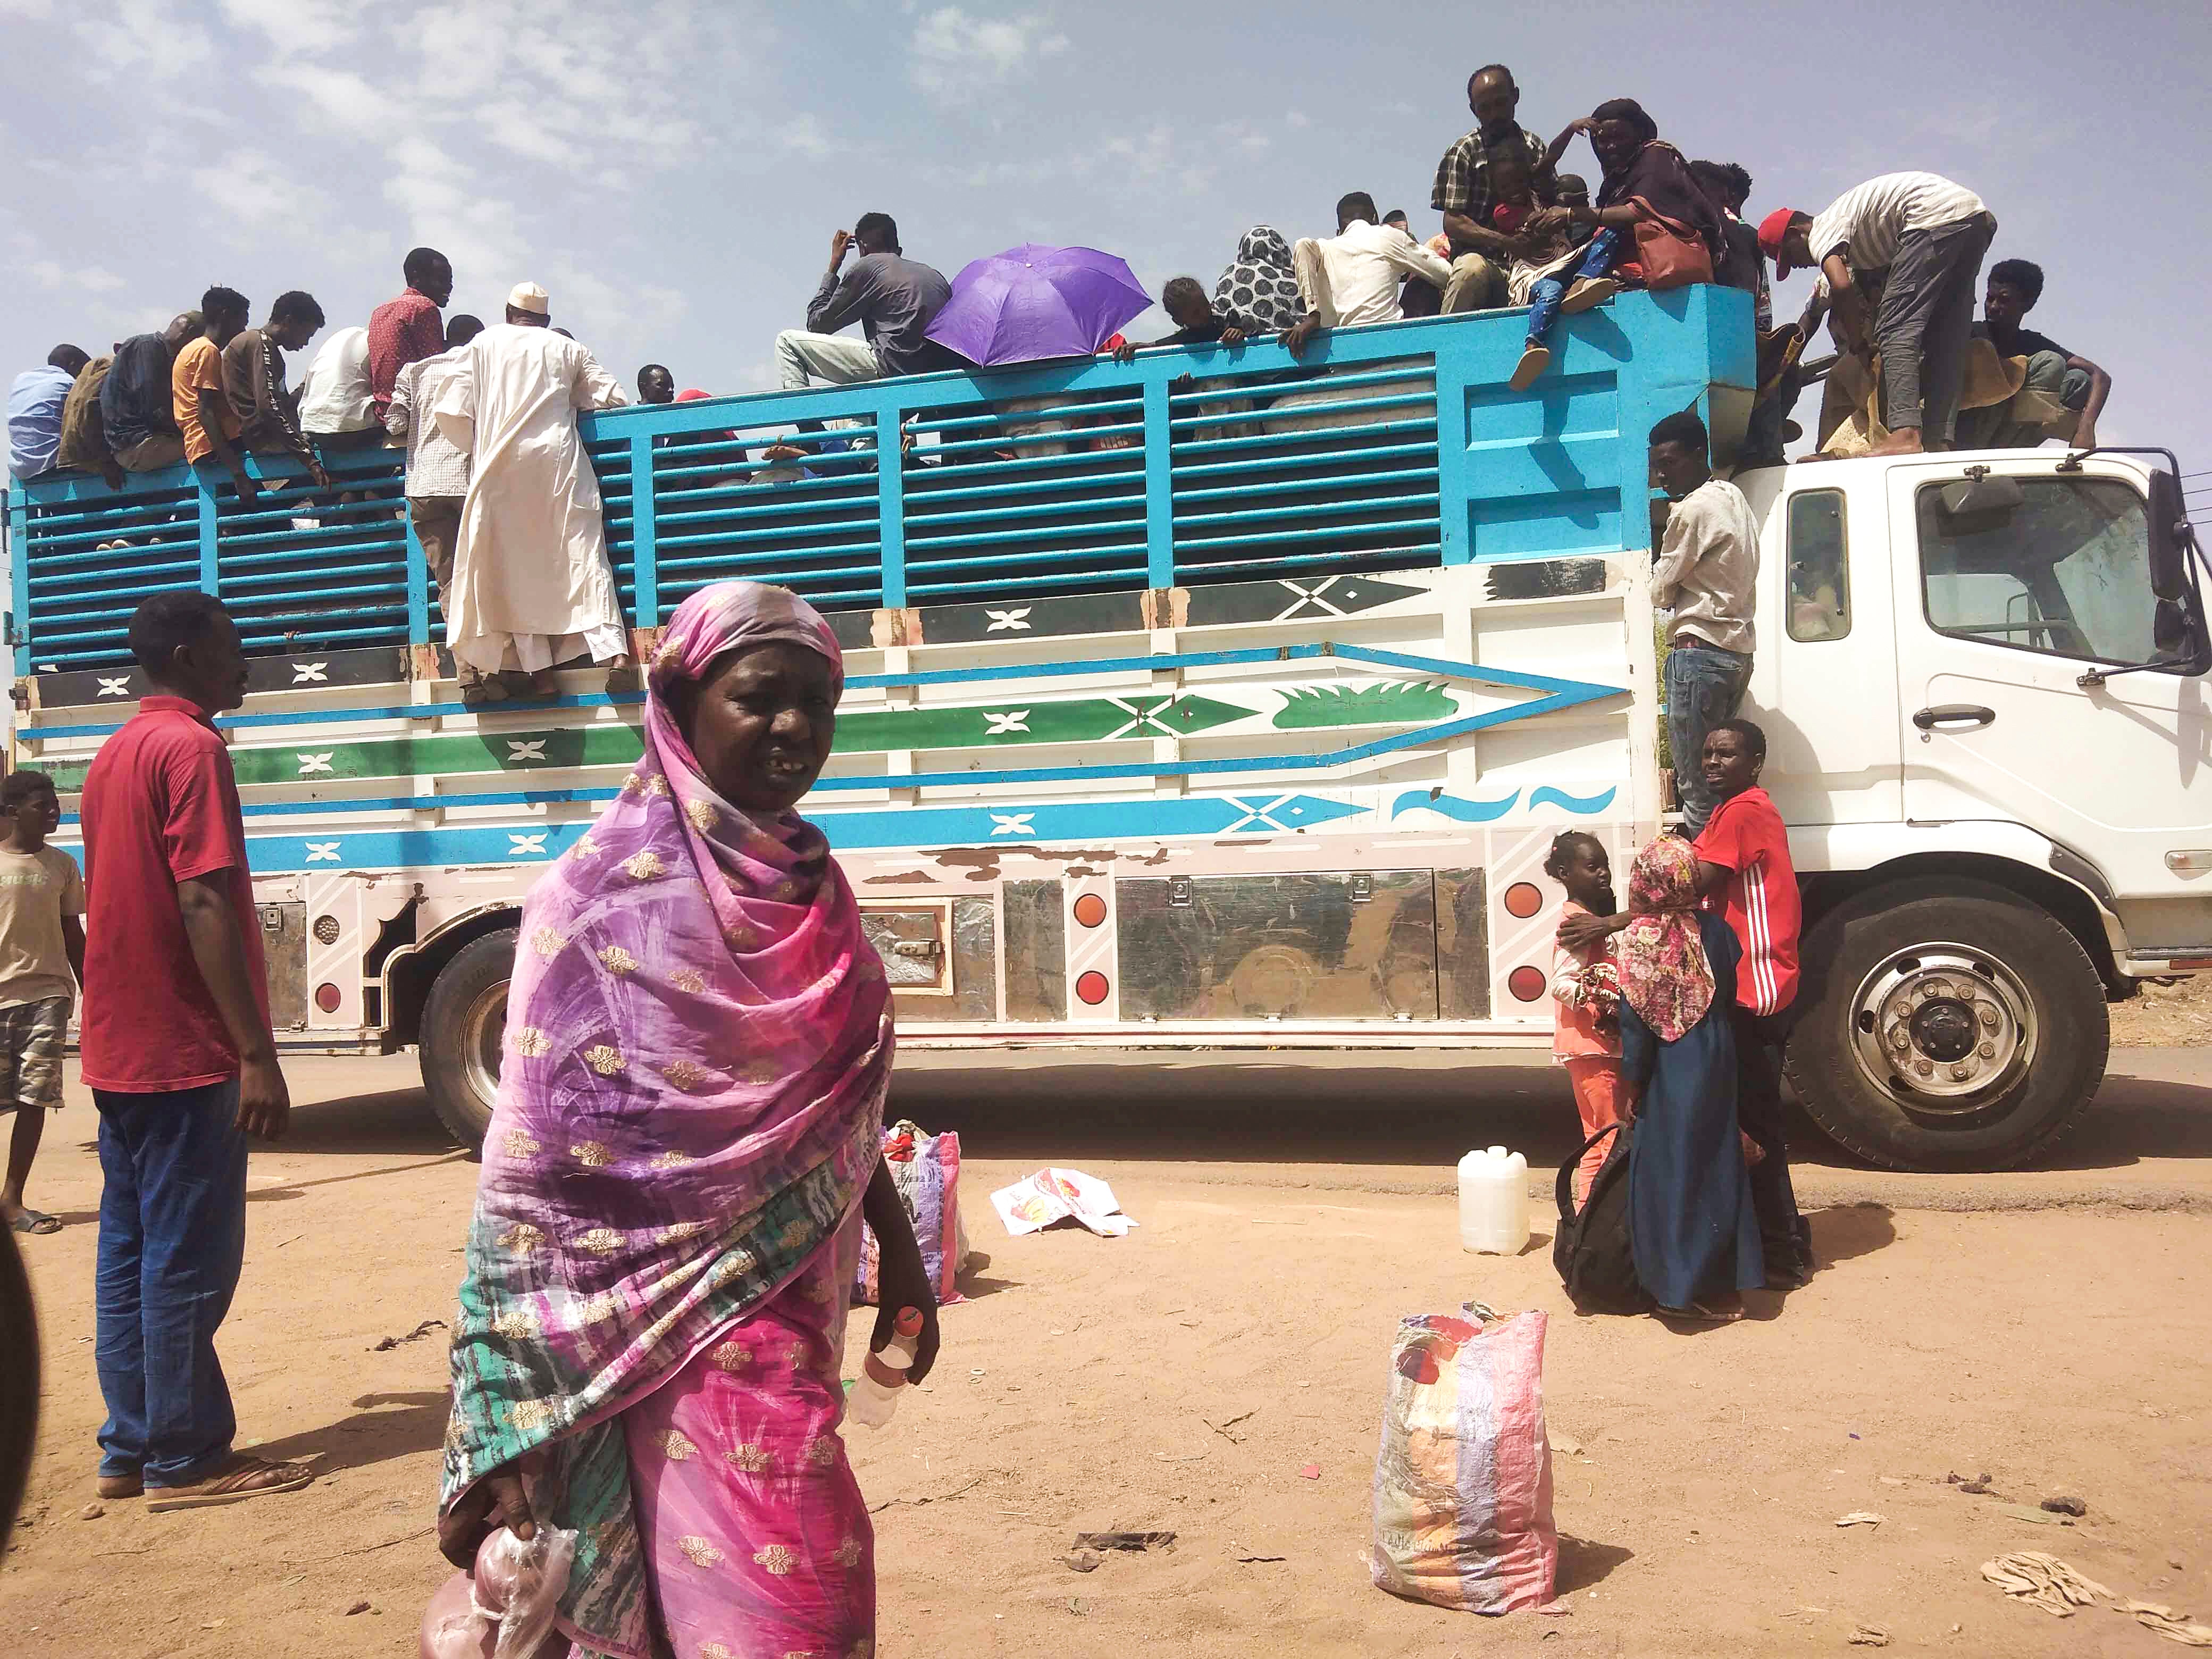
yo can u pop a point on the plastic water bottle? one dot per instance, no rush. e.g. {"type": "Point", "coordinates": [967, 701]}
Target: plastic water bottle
{"type": "Point", "coordinates": [1493, 1202]}
{"type": "Point", "coordinates": [883, 1373]}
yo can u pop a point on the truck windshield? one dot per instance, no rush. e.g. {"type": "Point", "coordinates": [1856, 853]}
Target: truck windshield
{"type": "Point", "coordinates": [2066, 573]}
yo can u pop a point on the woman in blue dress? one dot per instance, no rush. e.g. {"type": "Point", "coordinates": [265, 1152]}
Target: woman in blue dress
{"type": "Point", "coordinates": [1691, 1223]}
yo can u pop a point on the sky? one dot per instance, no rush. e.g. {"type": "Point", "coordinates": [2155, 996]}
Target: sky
{"type": "Point", "coordinates": [672, 172]}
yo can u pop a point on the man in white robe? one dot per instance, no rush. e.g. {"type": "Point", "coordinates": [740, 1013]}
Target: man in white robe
{"type": "Point", "coordinates": [532, 585]}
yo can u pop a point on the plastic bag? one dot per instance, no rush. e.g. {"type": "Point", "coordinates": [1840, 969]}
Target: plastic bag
{"type": "Point", "coordinates": [925, 1170]}
{"type": "Point", "coordinates": [1463, 1482]}
{"type": "Point", "coordinates": [520, 1584]}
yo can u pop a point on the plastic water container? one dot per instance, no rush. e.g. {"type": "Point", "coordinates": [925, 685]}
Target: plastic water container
{"type": "Point", "coordinates": [1493, 1201]}
{"type": "Point", "coordinates": [875, 1396]}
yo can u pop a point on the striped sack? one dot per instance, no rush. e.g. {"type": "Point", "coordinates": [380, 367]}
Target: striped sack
{"type": "Point", "coordinates": [1463, 1483]}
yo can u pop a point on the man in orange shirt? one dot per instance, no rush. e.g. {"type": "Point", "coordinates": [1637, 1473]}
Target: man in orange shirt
{"type": "Point", "coordinates": [204, 415]}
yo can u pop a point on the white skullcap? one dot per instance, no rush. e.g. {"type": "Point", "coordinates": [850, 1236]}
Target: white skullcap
{"type": "Point", "coordinates": [528, 296]}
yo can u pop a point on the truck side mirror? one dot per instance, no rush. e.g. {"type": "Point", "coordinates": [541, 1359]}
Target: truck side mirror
{"type": "Point", "coordinates": [2177, 630]}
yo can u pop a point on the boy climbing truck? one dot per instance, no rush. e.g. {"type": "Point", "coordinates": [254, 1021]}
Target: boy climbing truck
{"type": "Point", "coordinates": [1222, 699]}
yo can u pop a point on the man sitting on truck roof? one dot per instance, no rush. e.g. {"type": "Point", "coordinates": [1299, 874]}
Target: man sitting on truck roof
{"type": "Point", "coordinates": [2054, 374]}
{"type": "Point", "coordinates": [1464, 191]}
{"type": "Point", "coordinates": [1352, 278]}
{"type": "Point", "coordinates": [893, 298]}
{"type": "Point", "coordinates": [138, 407]}
{"type": "Point", "coordinates": [34, 411]}
{"type": "Point", "coordinates": [1707, 574]}
{"type": "Point", "coordinates": [254, 380]}
{"type": "Point", "coordinates": [1930, 235]}
{"type": "Point", "coordinates": [203, 414]}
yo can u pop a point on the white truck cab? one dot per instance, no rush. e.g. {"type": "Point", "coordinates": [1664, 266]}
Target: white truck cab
{"type": "Point", "coordinates": [1982, 679]}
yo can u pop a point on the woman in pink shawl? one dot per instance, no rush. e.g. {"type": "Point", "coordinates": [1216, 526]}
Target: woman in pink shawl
{"type": "Point", "coordinates": [651, 1330]}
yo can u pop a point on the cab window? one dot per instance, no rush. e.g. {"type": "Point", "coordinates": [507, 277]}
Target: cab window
{"type": "Point", "coordinates": [1820, 566]}
{"type": "Point", "coordinates": [2062, 570]}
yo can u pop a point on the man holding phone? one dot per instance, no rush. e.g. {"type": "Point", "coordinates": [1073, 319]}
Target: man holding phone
{"type": "Point", "coordinates": [893, 298]}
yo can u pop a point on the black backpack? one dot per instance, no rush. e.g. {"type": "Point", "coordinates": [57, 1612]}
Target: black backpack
{"type": "Point", "coordinates": [1591, 1248]}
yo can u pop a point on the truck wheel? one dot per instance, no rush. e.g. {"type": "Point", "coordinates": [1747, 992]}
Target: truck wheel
{"type": "Point", "coordinates": [1946, 1024]}
{"type": "Point", "coordinates": [464, 1024]}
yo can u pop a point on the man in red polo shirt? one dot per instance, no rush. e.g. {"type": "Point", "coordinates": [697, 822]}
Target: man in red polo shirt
{"type": "Point", "coordinates": [181, 1062]}
{"type": "Point", "coordinates": [1745, 873]}
{"type": "Point", "coordinates": [409, 328]}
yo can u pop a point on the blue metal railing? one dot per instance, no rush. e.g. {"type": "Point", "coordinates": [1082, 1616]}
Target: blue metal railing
{"type": "Point", "coordinates": [1392, 447]}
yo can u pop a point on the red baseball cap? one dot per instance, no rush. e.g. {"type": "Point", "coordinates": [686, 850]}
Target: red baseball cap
{"type": "Point", "coordinates": [691, 395]}
{"type": "Point", "coordinates": [1772, 229]}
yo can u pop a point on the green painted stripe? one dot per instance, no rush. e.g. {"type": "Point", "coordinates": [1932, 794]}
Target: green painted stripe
{"type": "Point", "coordinates": [875, 731]}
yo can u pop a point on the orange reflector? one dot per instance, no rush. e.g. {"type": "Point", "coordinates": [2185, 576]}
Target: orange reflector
{"type": "Point", "coordinates": [327, 997]}
{"type": "Point", "coordinates": [1091, 987]}
{"type": "Point", "coordinates": [1527, 983]}
{"type": "Point", "coordinates": [1523, 899]}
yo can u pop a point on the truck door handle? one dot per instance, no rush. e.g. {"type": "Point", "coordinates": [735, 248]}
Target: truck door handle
{"type": "Point", "coordinates": [1952, 716]}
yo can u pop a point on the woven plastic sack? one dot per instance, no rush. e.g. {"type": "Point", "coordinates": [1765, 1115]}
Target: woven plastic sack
{"type": "Point", "coordinates": [1463, 1483]}
{"type": "Point", "coordinates": [925, 1168]}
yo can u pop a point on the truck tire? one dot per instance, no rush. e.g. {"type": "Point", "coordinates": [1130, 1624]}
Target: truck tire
{"type": "Point", "coordinates": [1946, 1024]}
{"type": "Point", "coordinates": [464, 1025]}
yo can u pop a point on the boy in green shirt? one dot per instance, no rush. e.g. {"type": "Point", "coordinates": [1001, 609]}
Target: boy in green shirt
{"type": "Point", "coordinates": [41, 964]}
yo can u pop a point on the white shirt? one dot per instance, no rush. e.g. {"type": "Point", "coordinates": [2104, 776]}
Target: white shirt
{"type": "Point", "coordinates": [334, 395]}
{"type": "Point", "coordinates": [1362, 267]}
{"type": "Point", "coordinates": [1708, 568]}
{"type": "Point", "coordinates": [1866, 224]}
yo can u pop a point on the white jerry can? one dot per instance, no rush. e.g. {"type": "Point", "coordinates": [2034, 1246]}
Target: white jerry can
{"type": "Point", "coordinates": [1493, 1201]}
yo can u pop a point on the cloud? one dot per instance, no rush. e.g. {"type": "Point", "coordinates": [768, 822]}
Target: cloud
{"type": "Point", "coordinates": [958, 57]}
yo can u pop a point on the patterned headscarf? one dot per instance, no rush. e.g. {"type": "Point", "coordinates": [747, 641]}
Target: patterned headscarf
{"type": "Point", "coordinates": [1261, 282]}
{"type": "Point", "coordinates": [1664, 975]}
{"type": "Point", "coordinates": [691, 1105]}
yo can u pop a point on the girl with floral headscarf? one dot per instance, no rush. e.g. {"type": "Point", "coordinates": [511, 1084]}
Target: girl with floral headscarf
{"type": "Point", "coordinates": [1691, 1223]}
{"type": "Point", "coordinates": [688, 1132]}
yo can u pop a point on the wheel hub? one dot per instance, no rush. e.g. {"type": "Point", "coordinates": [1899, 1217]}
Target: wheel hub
{"type": "Point", "coordinates": [484, 1033]}
{"type": "Point", "coordinates": [1944, 1025]}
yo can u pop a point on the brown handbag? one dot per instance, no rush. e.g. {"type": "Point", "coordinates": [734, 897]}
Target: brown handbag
{"type": "Point", "coordinates": [1669, 252]}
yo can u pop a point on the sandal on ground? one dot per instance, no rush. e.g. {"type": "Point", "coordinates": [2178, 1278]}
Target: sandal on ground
{"type": "Point", "coordinates": [1588, 291]}
{"type": "Point", "coordinates": [35, 1221]}
{"type": "Point", "coordinates": [476, 694]}
{"type": "Point", "coordinates": [245, 1478]}
{"type": "Point", "coordinates": [1534, 361]}
{"type": "Point", "coordinates": [1699, 1313]}
{"type": "Point", "coordinates": [115, 1487]}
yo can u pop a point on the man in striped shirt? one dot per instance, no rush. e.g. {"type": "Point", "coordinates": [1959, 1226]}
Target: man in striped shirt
{"type": "Point", "coordinates": [1745, 873]}
{"type": "Point", "coordinates": [1929, 235]}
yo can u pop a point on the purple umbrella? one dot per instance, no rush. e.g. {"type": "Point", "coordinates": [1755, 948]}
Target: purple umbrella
{"type": "Point", "coordinates": [1033, 302]}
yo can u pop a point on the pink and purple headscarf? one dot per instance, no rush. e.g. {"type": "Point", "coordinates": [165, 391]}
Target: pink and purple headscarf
{"type": "Point", "coordinates": [698, 1042]}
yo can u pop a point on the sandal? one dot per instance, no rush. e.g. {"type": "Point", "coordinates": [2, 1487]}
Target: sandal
{"type": "Point", "coordinates": [35, 1221]}
{"type": "Point", "coordinates": [1534, 360]}
{"type": "Point", "coordinates": [1588, 291]}
{"type": "Point", "coordinates": [243, 1478]}
{"type": "Point", "coordinates": [114, 1486]}
{"type": "Point", "coordinates": [1699, 1314]}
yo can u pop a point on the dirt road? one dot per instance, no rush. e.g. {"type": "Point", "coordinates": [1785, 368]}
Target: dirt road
{"type": "Point", "coordinates": [2048, 1328]}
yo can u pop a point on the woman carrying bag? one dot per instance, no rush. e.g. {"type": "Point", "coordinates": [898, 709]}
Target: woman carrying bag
{"type": "Point", "coordinates": [1656, 226]}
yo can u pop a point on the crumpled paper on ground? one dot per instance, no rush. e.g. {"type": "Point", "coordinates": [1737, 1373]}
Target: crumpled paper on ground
{"type": "Point", "coordinates": [2043, 1581]}
{"type": "Point", "coordinates": [1036, 1202]}
{"type": "Point", "coordinates": [2174, 1626]}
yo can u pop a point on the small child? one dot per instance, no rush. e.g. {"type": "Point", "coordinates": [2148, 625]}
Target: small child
{"type": "Point", "coordinates": [1586, 998]}
{"type": "Point", "coordinates": [41, 964]}
{"type": "Point", "coordinates": [1534, 279]}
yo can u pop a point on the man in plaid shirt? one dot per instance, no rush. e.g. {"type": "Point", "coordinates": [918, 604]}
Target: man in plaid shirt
{"type": "Point", "coordinates": [1480, 254]}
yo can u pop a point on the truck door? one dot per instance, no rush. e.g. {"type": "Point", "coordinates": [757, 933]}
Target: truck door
{"type": "Point", "coordinates": [1825, 673]}
{"type": "Point", "coordinates": [2008, 591]}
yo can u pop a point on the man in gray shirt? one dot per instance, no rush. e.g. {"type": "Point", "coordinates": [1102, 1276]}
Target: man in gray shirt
{"type": "Point", "coordinates": [1706, 573]}
{"type": "Point", "coordinates": [892, 297]}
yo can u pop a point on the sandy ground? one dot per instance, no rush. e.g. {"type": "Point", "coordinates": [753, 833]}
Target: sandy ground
{"type": "Point", "coordinates": [2048, 1328]}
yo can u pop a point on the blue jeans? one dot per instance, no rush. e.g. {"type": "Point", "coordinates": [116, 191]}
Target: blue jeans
{"type": "Point", "coordinates": [1704, 686]}
{"type": "Point", "coordinates": [1544, 299]}
{"type": "Point", "coordinates": [172, 1241]}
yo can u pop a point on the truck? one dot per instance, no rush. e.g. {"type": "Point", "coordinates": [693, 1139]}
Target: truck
{"type": "Point", "coordinates": [1226, 699]}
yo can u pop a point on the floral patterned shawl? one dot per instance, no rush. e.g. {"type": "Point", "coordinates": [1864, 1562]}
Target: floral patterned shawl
{"type": "Point", "coordinates": [698, 1039]}
{"type": "Point", "coordinates": [1664, 975]}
